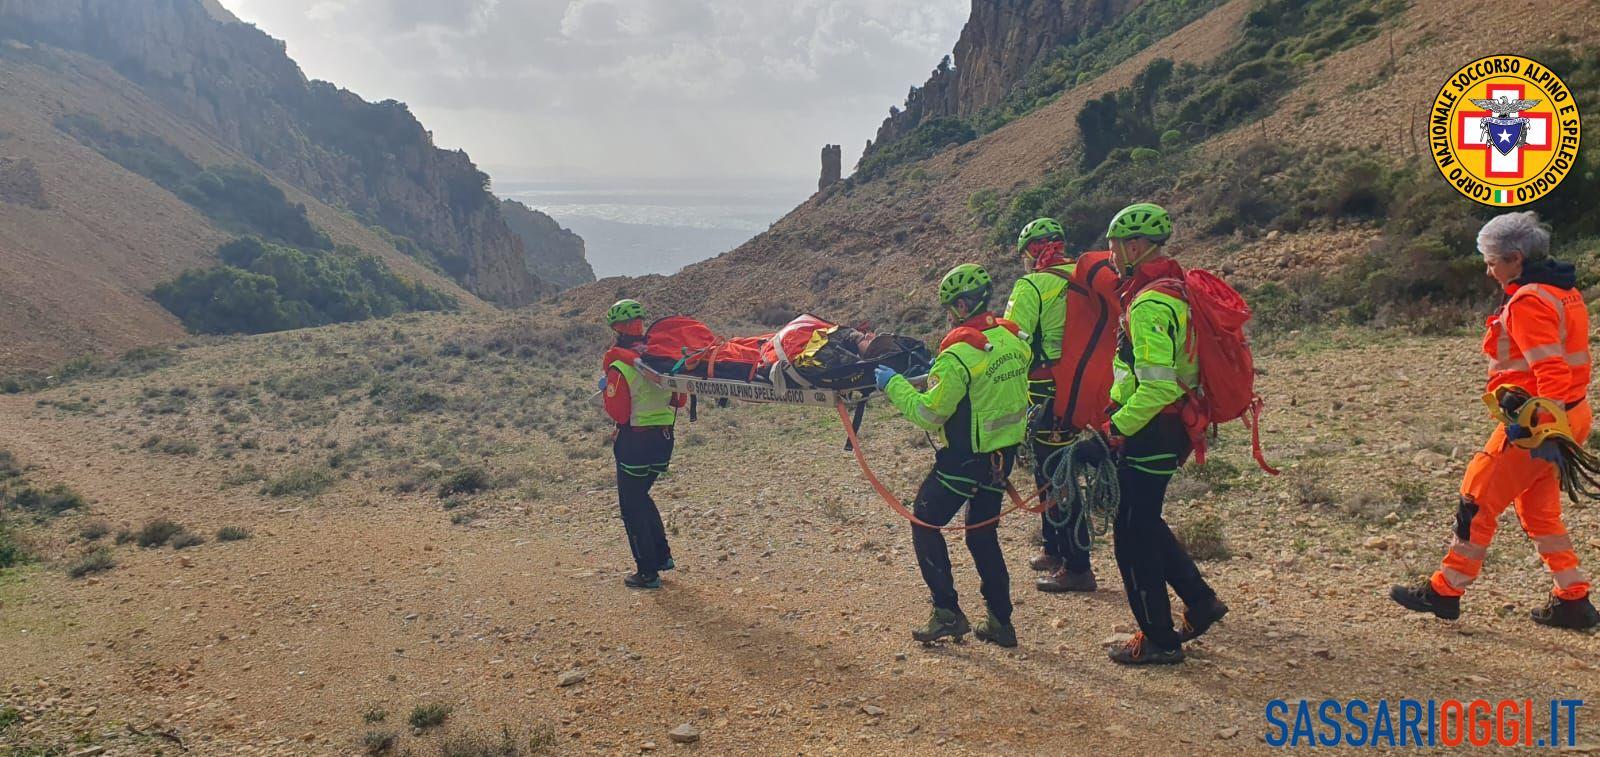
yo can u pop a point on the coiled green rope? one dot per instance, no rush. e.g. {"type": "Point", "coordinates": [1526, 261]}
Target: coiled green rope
{"type": "Point", "coordinates": [1075, 482]}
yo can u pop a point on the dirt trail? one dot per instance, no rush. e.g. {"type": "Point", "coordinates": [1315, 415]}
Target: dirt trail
{"type": "Point", "coordinates": [785, 629]}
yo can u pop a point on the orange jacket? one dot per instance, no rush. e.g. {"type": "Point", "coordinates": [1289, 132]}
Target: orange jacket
{"type": "Point", "coordinates": [1539, 339]}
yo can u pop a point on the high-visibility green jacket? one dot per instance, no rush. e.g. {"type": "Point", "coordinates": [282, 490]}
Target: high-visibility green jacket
{"type": "Point", "coordinates": [1151, 366]}
{"type": "Point", "coordinates": [650, 404]}
{"type": "Point", "coordinates": [977, 395]}
{"type": "Point", "coordinates": [1038, 306]}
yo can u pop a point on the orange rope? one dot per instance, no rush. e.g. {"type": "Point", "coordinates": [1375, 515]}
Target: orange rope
{"type": "Point", "coordinates": [1018, 503]}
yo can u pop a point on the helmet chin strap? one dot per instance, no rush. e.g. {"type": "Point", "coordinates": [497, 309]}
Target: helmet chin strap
{"type": "Point", "coordinates": [1150, 252]}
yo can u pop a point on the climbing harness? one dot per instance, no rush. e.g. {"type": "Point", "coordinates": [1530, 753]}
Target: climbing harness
{"type": "Point", "coordinates": [1017, 502]}
{"type": "Point", "coordinates": [1547, 423]}
{"type": "Point", "coordinates": [1083, 489]}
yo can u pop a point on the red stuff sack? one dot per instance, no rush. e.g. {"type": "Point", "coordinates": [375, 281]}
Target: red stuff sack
{"type": "Point", "coordinates": [1221, 351]}
{"type": "Point", "coordinates": [1083, 374]}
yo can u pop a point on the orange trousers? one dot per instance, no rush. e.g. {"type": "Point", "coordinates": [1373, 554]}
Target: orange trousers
{"type": "Point", "coordinates": [1498, 477]}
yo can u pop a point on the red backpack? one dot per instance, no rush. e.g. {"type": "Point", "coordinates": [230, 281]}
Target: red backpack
{"type": "Point", "coordinates": [1083, 374]}
{"type": "Point", "coordinates": [1220, 350]}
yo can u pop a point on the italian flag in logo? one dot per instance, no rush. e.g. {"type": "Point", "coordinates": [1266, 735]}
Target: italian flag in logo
{"type": "Point", "coordinates": [1503, 196]}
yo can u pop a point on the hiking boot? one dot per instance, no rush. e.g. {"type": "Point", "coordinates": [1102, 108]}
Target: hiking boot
{"type": "Point", "coordinates": [668, 565]}
{"type": "Point", "coordinates": [1577, 614]}
{"type": "Point", "coordinates": [1420, 597]}
{"type": "Point", "coordinates": [641, 581]}
{"type": "Point", "coordinates": [993, 631]}
{"type": "Point", "coordinates": [1064, 580]}
{"type": "Point", "coordinates": [942, 623]}
{"type": "Point", "coordinates": [1197, 621]}
{"type": "Point", "coordinates": [1046, 562]}
{"type": "Point", "coordinates": [1139, 651]}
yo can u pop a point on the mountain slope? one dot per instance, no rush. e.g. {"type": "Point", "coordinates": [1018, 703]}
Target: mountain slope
{"type": "Point", "coordinates": [1000, 42]}
{"type": "Point", "coordinates": [875, 249]}
{"type": "Point", "coordinates": [235, 82]}
{"type": "Point", "coordinates": [81, 253]}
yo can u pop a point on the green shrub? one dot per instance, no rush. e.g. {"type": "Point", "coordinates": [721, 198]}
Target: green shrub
{"type": "Point", "coordinates": [1091, 53]}
{"type": "Point", "coordinates": [923, 141]}
{"type": "Point", "coordinates": [378, 742]}
{"type": "Point", "coordinates": [262, 287]}
{"type": "Point", "coordinates": [239, 198]}
{"type": "Point", "coordinates": [9, 467]}
{"type": "Point", "coordinates": [774, 313]}
{"type": "Point", "coordinates": [505, 743]}
{"type": "Point", "coordinates": [304, 482]}
{"type": "Point", "coordinates": [158, 532]}
{"type": "Point", "coordinates": [232, 533]}
{"type": "Point", "coordinates": [1143, 154]}
{"type": "Point", "coordinates": [466, 481]}
{"type": "Point", "coordinates": [44, 503]}
{"type": "Point", "coordinates": [167, 445]}
{"type": "Point", "coordinates": [12, 552]}
{"type": "Point", "coordinates": [187, 540]}
{"type": "Point", "coordinates": [1203, 538]}
{"type": "Point", "coordinates": [235, 197]}
{"type": "Point", "coordinates": [1193, 101]}
{"type": "Point", "coordinates": [94, 530]}
{"type": "Point", "coordinates": [97, 561]}
{"type": "Point", "coordinates": [984, 205]}
{"type": "Point", "coordinates": [134, 362]}
{"type": "Point", "coordinates": [425, 716]}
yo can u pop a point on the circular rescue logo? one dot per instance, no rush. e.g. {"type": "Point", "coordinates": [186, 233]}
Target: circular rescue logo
{"type": "Point", "coordinates": [1504, 130]}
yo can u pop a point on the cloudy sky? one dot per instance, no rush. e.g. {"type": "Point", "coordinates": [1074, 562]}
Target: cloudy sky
{"type": "Point", "coordinates": [617, 88]}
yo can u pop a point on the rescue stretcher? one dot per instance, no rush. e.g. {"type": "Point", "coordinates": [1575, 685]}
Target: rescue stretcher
{"type": "Point", "coordinates": [810, 361]}
{"type": "Point", "coordinates": [783, 387]}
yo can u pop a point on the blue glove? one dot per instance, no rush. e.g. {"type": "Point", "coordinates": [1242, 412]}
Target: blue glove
{"type": "Point", "coordinates": [1549, 452]}
{"type": "Point", "coordinates": [602, 383]}
{"type": "Point", "coordinates": [1515, 432]}
{"type": "Point", "coordinates": [882, 374]}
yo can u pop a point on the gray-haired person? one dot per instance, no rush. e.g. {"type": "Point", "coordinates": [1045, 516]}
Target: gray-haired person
{"type": "Point", "coordinates": [1538, 346]}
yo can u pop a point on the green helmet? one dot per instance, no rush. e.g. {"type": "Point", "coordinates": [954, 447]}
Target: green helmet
{"type": "Point", "coordinates": [1142, 220]}
{"type": "Point", "coordinates": [1040, 228]}
{"type": "Point", "coordinates": [624, 310]}
{"type": "Point", "coordinates": [966, 281]}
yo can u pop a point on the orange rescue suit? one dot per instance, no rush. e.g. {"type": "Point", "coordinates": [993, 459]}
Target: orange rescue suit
{"type": "Point", "coordinates": [1537, 341]}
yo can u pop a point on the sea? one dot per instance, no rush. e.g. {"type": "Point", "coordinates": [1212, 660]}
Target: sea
{"type": "Point", "coordinates": [635, 227]}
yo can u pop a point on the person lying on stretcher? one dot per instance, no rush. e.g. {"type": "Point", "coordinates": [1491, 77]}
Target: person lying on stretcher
{"type": "Point", "coordinates": [815, 351]}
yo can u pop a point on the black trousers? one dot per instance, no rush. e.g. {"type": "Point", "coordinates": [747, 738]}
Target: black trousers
{"type": "Point", "coordinates": [970, 480]}
{"type": "Point", "coordinates": [642, 456]}
{"type": "Point", "coordinates": [1148, 555]}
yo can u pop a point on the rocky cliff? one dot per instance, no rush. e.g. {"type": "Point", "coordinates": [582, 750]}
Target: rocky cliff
{"type": "Point", "coordinates": [232, 80]}
{"type": "Point", "coordinates": [1002, 39]}
{"type": "Point", "coordinates": [553, 253]}
{"type": "Point", "coordinates": [831, 157]}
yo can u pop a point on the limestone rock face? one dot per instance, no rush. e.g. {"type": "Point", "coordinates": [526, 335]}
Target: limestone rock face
{"type": "Point", "coordinates": [831, 170]}
{"type": "Point", "coordinates": [1000, 42]}
{"type": "Point", "coordinates": [232, 80]}
{"type": "Point", "coordinates": [553, 253]}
